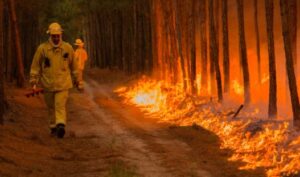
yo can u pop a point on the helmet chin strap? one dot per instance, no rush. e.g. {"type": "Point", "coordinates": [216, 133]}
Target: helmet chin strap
{"type": "Point", "coordinates": [55, 45]}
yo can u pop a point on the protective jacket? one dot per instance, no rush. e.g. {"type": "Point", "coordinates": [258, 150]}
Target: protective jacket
{"type": "Point", "coordinates": [81, 56]}
{"type": "Point", "coordinates": [53, 66]}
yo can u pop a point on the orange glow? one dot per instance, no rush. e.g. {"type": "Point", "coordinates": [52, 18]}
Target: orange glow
{"type": "Point", "coordinates": [265, 78]}
{"type": "Point", "coordinates": [237, 87]}
{"type": "Point", "coordinates": [272, 145]}
{"type": "Point", "coordinates": [198, 83]}
{"type": "Point", "coordinates": [150, 97]}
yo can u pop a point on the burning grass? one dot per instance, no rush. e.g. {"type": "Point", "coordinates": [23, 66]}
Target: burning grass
{"type": "Point", "coordinates": [273, 145]}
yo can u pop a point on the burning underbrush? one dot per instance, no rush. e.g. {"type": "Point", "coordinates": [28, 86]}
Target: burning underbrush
{"type": "Point", "coordinates": [270, 144]}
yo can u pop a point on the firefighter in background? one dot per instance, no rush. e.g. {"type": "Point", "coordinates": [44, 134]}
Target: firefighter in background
{"type": "Point", "coordinates": [81, 57]}
{"type": "Point", "coordinates": [52, 66]}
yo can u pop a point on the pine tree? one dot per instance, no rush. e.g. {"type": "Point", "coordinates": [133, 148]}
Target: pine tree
{"type": "Point", "coordinates": [2, 101]}
{"type": "Point", "coordinates": [269, 5]}
{"type": "Point", "coordinates": [289, 60]}
{"type": "Point", "coordinates": [203, 26]}
{"type": "Point", "coordinates": [214, 49]}
{"type": "Point", "coordinates": [21, 76]}
{"type": "Point", "coordinates": [243, 52]}
{"type": "Point", "coordinates": [226, 61]}
{"type": "Point", "coordinates": [257, 41]}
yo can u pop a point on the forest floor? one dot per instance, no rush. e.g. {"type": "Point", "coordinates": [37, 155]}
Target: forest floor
{"type": "Point", "coordinates": [106, 138]}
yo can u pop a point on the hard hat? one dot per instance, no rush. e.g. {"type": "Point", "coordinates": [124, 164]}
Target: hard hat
{"type": "Point", "coordinates": [54, 28]}
{"type": "Point", "coordinates": [78, 42]}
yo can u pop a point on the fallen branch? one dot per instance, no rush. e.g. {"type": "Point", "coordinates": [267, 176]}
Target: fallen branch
{"type": "Point", "coordinates": [238, 111]}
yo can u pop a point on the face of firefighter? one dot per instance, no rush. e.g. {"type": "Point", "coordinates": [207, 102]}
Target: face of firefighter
{"type": "Point", "coordinates": [55, 38]}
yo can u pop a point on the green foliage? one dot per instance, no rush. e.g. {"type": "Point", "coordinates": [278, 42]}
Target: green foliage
{"type": "Point", "coordinates": [68, 14]}
{"type": "Point", "coordinates": [71, 14]}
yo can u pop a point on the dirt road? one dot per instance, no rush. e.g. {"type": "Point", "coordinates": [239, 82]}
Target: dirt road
{"type": "Point", "coordinates": [106, 138]}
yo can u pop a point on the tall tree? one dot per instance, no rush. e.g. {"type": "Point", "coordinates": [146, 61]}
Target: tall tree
{"type": "Point", "coordinates": [292, 22]}
{"type": "Point", "coordinates": [179, 44]}
{"type": "Point", "coordinates": [2, 101]}
{"type": "Point", "coordinates": [289, 60]}
{"type": "Point", "coordinates": [147, 40]}
{"type": "Point", "coordinates": [269, 5]}
{"type": "Point", "coordinates": [257, 41]}
{"type": "Point", "coordinates": [135, 37]}
{"type": "Point", "coordinates": [170, 39]}
{"type": "Point", "coordinates": [203, 26]}
{"type": "Point", "coordinates": [243, 52]}
{"type": "Point", "coordinates": [211, 55]}
{"type": "Point", "coordinates": [192, 32]}
{"type": "Point", "coordinates": [186, 28]}
{"type": "Point", "coordinates": [226, 62]}
{"type": "Point", "coordinates": [173, 42]}
{"type": "Point", "coordinates": [214, 50]}
{"type": "Point", "coordinates": [21, 76]}
{"type": "Point", "coordinates": [7, 38]}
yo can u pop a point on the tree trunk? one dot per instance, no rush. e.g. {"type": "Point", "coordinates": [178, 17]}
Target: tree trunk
{"type": "Point", "coordinates": [211, 58]}
{"type": "Point", "coordinates": [187, 13]}
{"type": "Point", "coordinates": [172, 53]}
{"type": "Point", "coordinates": [226, 62]}
{"type": "Point", "coordinates": [155, 37]}
{"type": "Point", "coordinates": [243, 51]}
{"type": "Point", "coordinates": [8, 69]}
{"type": "Point", "coordinates": [21, 76]}
{"type": "Point", "coordinates": [193, 49]}
{"type": "Point", "coordinates": [88, 39]}
{"type": "Point", "coordinates": [135, 38]}
{"type": "Point", "coordinates": [217, 25]}
{"type": "Point", "coordinates": [214, 50]}
{"type": "Point", "coordinates": [2, 101]}
{"type": "Point", "coordinates": [289, 60]}
{"type": "Point", "coordinates": [125, 39]}
{"type": "Point", "coordinates": [292, 22]}
{"type": "Point", "coordinates": [147, 40]}
{"type": "Point", "coordinates": [203, 25]}
{"type": "Point", "coordinates": [111, 41]}
{"type": "Point", "coordinates": [257, 41]}
{"type": "Point", "coordinates": [269, 5]}
{"type": "Point", "coordinates": [95, 30]}
{"type": "Point", "coordinates": [179, 44]}
{"type": "Point", "coordinates": [168, 60]}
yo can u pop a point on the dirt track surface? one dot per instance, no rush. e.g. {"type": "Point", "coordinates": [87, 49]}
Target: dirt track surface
{"type": "Point", "coordinates": [105, 138]}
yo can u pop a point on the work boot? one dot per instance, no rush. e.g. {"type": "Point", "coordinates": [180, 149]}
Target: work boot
{"type": "Point", "coordinates": [53, 131]}
{"type": "Point", "coordinates": [60, 130]}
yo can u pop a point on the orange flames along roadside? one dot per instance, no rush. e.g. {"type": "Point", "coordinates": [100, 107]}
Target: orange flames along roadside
{"type": "Point", "coordinates": [272, 145]}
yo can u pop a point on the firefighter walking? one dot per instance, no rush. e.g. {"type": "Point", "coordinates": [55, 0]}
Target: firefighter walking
{"type": "Point", "coordinates": [52, 66]}
{"type": "Point", "coordinates": [81, 57]}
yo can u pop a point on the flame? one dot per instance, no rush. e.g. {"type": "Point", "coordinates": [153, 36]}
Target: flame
{"type": "Point", "coordinates": [237, 87]}
{"type": "Point", "coordinates": [149, 97]}
{"type": "Point", "coordinates": [272, 145]}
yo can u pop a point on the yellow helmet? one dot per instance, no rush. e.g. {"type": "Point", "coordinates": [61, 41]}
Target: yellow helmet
{"type": "Point", "coordinates": [78, 42]}
{"type": "Point", "coordinates": [54, 28]}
